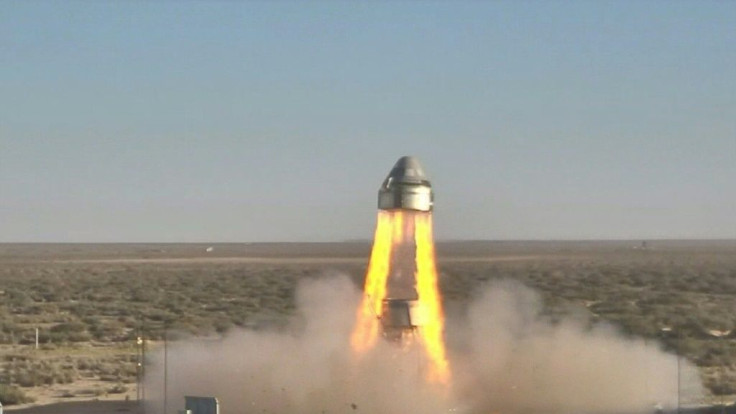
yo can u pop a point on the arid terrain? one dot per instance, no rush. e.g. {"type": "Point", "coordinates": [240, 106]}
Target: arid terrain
{"type": "Point", "coordinates": [91, 303]}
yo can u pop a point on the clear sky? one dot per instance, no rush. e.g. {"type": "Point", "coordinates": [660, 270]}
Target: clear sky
{"type": "Point", "coordinates": [277, 121]}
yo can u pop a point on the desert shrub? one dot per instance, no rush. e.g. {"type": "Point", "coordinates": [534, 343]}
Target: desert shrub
{"type": "Point", "coordinates": [107, 331]}
{"type": "Point", "coordinates": [48, 346]}
{"type": "Point", "coordinates": [16, 357]}
{"type": "Point", "coordinates": [65, 376]}
{"type": "Point", "coordinates": [26, 379]}
{"type": "Point", "coordinates": [68, 327]}
{"type": "Point", "coordinates": [33, 373]}
{"type": "Point", "coordinates": [638, 326]}
{"type": "Point", "coordinates": [17, 298]}
{"type": "Point", "coordinates": [87, 364]}
{"type": "Point", "coordinates": [222, 325]}
{"type": "Point", "coordinates": [11, 395]}
{"type": "Point", "coordinates": [7, 326]}
{"type": "Point", "coordinates": [718, 386]}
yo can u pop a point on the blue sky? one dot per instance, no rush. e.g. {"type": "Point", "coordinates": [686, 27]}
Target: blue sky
{"type": "Point", "coordinates": [277, 121]}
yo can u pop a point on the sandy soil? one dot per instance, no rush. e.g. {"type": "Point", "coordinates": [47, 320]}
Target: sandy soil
{"type": "Point", "coordinates": [81, 407]}
{"type": "Point", "coordinates": [81, 389]}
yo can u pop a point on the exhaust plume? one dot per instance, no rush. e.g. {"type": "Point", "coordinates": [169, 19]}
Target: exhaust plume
{"type": "Point", "coordinates": [506, 359]}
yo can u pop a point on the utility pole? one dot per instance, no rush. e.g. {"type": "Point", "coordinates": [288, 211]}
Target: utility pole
{"type": "Point", "coordinates": [143, 367]}
{"type": "Point", "coordinates": [139, 367]}
{"type": "Point", "coordinates": [678, 372]}
{"type": "Point", "coordinates": [166, 366]}
{"type": "Point", "coordinates": [723, 367]}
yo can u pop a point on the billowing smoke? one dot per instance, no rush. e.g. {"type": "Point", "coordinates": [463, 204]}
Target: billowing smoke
{"type": "Point", "coordinates": [520, 362]}
{"type": "Point", "coordinates": [504, 358]}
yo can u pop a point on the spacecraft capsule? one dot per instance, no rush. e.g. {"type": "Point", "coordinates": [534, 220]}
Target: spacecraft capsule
{"type": "Point", "coordinates": [406, 187]}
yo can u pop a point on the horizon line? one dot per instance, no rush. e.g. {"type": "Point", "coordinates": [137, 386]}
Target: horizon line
{"type": "Point", "coordinates": [361, 240]}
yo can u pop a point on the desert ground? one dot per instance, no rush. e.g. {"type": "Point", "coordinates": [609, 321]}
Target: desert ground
{"type": "Point", "coordinates": [92, 302]}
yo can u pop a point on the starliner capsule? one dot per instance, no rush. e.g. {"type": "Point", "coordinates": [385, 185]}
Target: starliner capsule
{"type": "Point", "coordinates": [406, 188]}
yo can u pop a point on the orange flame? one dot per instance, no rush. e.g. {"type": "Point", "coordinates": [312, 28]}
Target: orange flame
{"type": "Point", "coordinates": [429, 300]}
{"type": "Point", "coordinates": [391, 231]}
{"type": "Point", "coordinates": [366, 329]}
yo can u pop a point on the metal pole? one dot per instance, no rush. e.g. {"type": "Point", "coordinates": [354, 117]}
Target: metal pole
{"type": "Point", "coordinates": [678, 372]}
{"type": "Point", "coordinates": [166, 367]}
{"type": "Point", "coordinates": [143, 369]}
{"type": "Point", "coordinates": [723, 367]}
{"type": "Point", "coordinates": [139, 366]}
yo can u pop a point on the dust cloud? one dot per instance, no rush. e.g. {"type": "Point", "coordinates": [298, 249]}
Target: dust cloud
{"type": "Point", "coordinates": [518, 361]}
{"type": "Point", "coordinates": [504, 357]}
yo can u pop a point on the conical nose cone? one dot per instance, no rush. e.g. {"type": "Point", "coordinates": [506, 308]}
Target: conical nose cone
{"type": "Point", "coordinates": [406, 187]}
{"type": "Point", "coordinates": [408, 169]}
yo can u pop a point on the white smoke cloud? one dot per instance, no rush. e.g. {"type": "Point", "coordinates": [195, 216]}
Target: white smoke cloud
{"type": "Point", "coordinates": [504, 359]}
{"type": "Point", "coordinates": [519, 361]}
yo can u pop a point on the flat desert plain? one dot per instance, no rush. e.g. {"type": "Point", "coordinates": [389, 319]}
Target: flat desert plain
{"type": "Point", "coordinates": [90, 303]}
